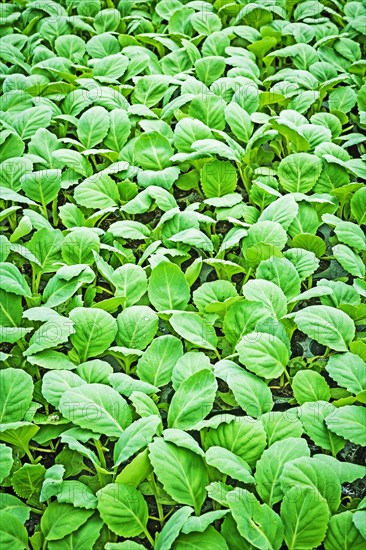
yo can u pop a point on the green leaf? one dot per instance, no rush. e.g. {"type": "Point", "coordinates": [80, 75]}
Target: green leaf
{"type": "Point", "coordinates": [97, 407]}
{"type": "Point", "coordinates": [84, 538]}
{"type": "Point", "coordinates": [250, 392]}
{"type": "Point", "coordinates": [304, 472]}
{"type": "Point", "coordinates": [119, 129]}
{"type": "Point", "coordinates": [299, 172]}
{"type": "Point", "coordinates": [15, 507]}
{"type": "Point", "coordinates": [208, 539]}
{"type": "Point", "coordinates": [153, 151]}
{"type": "Point", "coordinates": [123, 509]}
{"type": "Point", "coordinates": [93, 126]}
{"type": "Point", "coordinates": [13, 534]}
{"type": "Point", "coordinates": [326, 325]}
{"type": "Point", "coordinates": [29, 121]}
{"type": "Point", "coordinates": [282, 273]}
{"type": "Point", "coordinates": [348, 370]}
{"type": "Point", "coordinates": [305, 517]}
{"type": "Point", "coordinates": [264, 354]}
{"type": "Point", "coordinates": [16, 391]}
{"type": "Point", "coordinates": [312, 416]}
{"type": "Point", "coordinates": [60, 520]}
{"type": "Point", "coordinates": [229, 464]}
{"type": "Point", "coordinates": [150, 90]}
{"type": "Point", "coordinates": [350, 261]}
{"type": "Point", "coordinates": [42, 186]}
{"type": "Point", "coordinates": [239, 121]}
{"type": "Point", "coordinates": [135, 437]}
{"type": "Point", "coordinates": [173, 527]}
{"type": "Point", "coordinates": [348, 422]}
{"type": "Point", "coordinates": [12, 280]}
{"type": "Point", "coordinates": [271, 464]}
{"type": "Point", "coordinates": [218, 178]}
{"type": "Point", "coordinates": [27, 481]}
{"type": "Point", "coordinates": [280, 425]}
{"type": "Point", "coordinates": [98, 191]}
{"type": "Point", "coordinates": [309, 385]}
{"type": "Point", "coordinates": [95, 330]}
{"type": "Point", "coordinates": [194, 329]}
{"type": "Point", "coordinates": [6, 461]}
{"type": "Point", "coordinates": [210, 110]}
{"type": "Point", "coordinates": [187, 364]}
{"type": "Point", "coordinates": [200, 523]}
{"type": "Point", "coordinates": [243, 436]}
{"type": "Point", "coordinates": [168, 288]}
{"type": "Point", "coordinates": [242, 318]}
{"type": "Point", "coordinates": [342, 533]}
{"type": "Point", "coordinates": [137, 326]}
{"type": "Point", "coordinates": [193, 400]}
{"type": "Point", "coordinates": [256, 522]}
{"type": "Point", "coordinates": [157, 363]}
{"type": "Point", "coordinates": [181, 472]}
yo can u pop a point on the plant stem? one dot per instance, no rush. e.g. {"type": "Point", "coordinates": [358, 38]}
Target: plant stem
{"type": "Point", "coordinates": [156, 495]}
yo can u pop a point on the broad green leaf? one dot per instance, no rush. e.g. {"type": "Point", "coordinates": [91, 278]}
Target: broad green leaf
{"type": "Point", "coordinates": [157, 363]}
{"type": "Point", "coordinates": [264, 354]}
{"type": "Point", "coordinates": [29, 121]}
{"type": "Point", "coordinates": [349, 260]}
{"type": "Point", "coordinates": [181, 472]}
{"type": "Point", "coordinates": [168, 288]}
{"type": "Point", "coordinates": [60, 520]}
{"type": "Point", "coordinates": [16, 388]}
{"type": "Point", "coordinates": [299, 172]}
{"type": "Point", "coordinates": [173, 527]}
{"type": "Point", "coordinates": [93, 126]}
{"type": "Point", "coordinates": [257, 523]}
{"type": "Point", "coordinates": [187, 364]}
{"type": "Point", "coordinates": [282, 273]}
{"type": "Point", "coordinates": [12, 280]}
{"type": "Point", "coordinates": [123, 509]}
{"type": "Point", "coordinates": [243, 436]}
{"type": "Point", "coordinates": [15, 507]}
{"type": "Point", "coordinates": [95, 330]}
{"type": "Point", "coordinates": [304, 472]}
{"type": "Point", "coordinates": [229, 464]}
{"type": "Point", "coordinates": [84, 538]}
{"type": "Point", "coordinates": [218, 178]}
{"type": "Point", "coordinates": [342, 533]}
{"type": "Point", "coordinates": [13, 534]}
{"type": "Point", "coordinates": [242, 318]}
{"type": "Point", "coordinates": [271, 464]}
{"type": "Point", "coordinates": [348, 422]}
{"type": "Point", "coordinates": [137, 326]}
{"type": "Point", "coordinates": [210, 538]}
{"type": "Point", "coordinates": [326, 325]}
{"type": "Point", "coordinates": [194, 329]}
{"type": "Point", "coordinates": [348, 370]}
{"type": "Point", "coordinates": [279, 425]}
{"type": "Point", "coordinates": [305, 517]}
{"type": "Point", "coordinates": [55, 383]}
{"type": "Point", "coordinates": [97, 407]}
{"type": "Point", "coordinates": [6, 461]}
{"type": "Point", "coordinates": [153, 151]}
{"type": "Point", "coordinates": [250, 392]}
{"type": "Point", "coordinates": [135, 437]}
{"type": "Point", "coordinates": [97, 191]}
{"type": "Point", "coordinates": [27, 481]}
{"type": "Point", "coordinates": [309, 385]}
{"type": "Point", "coordinates": [312, 416]}
{"type": "Point", "coordinates": [193, 400]}
{"type": "Point", "coordinates": [42, 186]}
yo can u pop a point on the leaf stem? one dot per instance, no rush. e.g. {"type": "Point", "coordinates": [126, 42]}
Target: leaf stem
{"type": "Point", "coordinates": [156, 495]}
